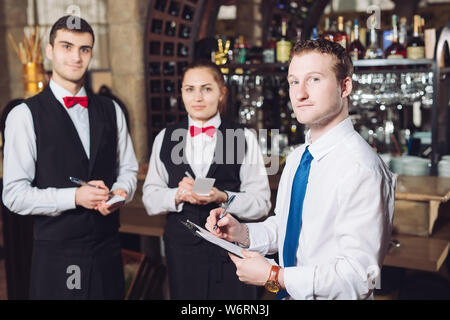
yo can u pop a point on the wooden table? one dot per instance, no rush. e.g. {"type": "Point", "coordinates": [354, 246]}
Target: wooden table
{"type": "Point", "coordinates": [421, 194]}
{"type": "Point", "coordinates": [418, 201]}
{"type": "Point", "coordinates": [137, 221]}
{"type": "Point", "coordinates": [425, 254]}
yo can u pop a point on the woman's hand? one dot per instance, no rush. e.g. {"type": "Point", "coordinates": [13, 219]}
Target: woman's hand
{"type": "Point", "coordinates": [215, 196]}
{"type": "Point", "coordinates": [185, 194]}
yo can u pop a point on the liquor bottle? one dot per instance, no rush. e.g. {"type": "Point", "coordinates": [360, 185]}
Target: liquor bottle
{"type": "Point", "coordinates": [293, 7]}
{"type": "Point", "coordinates": [171, 28]}
{"type": "Point", "coordinates": [281, 4]}
{"type": "Point", "coordinates": [341, 35]}
{"type": "Point", "coordinates": [283, 45]}
{"type": "Point", "coordinates": [327, 33]}
{"type": "Point", "coordinates": [269, 52]}
{"type": "Point", "coordinates": [403, 32]}
{"type": "Point", "coordinates": [240, 50]}
{"type": "Point", "coordinates": [188, 13]}
{"type": "Point", "coordinates": [348, 31]}
{"type": "Point", "coordinates": [356, 49]}
{"type": "Point", "coordinates": [395, 50]}
{"type": "Point", "coordinates": [314, 34]}
{"type": "Point", "coordinates": [422, 27]}
{"type": "Point", "coordinates": [416, 45]}
{"type": "Point", "coordinates": [174, 9]}
{"type": "Point", "coordinates": [374, 51]}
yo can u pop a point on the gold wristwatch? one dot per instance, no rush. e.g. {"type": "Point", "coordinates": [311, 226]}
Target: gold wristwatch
{"type": "Point", "coordinates": [272, 284]}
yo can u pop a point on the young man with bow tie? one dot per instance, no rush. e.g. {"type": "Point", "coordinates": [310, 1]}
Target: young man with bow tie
{"type": "Point", "coordinates": [66, 132]}
{"type": "Point", "coordinates": [204, 144]}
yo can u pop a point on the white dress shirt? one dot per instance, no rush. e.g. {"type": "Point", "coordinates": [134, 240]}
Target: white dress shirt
{"type": "Point", "coordinates": [253, 200]}
{"type": "Point", "coordinates": [346, 222]}
{"type": "Point", "coordinates": [20, 156]}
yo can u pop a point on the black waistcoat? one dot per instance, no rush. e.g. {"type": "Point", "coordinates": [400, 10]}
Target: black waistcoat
{"type": "Point", "coordinates": [60, 154]}
{"type": "Point", "coordinates": [228, 157]}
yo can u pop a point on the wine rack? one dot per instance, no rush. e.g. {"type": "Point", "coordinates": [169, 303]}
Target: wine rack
{"type": "Point", "coordinates": [173, 27]}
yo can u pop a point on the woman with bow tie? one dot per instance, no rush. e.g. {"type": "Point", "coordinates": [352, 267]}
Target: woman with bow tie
{"type": "Point", "coordinates": [204, 145]}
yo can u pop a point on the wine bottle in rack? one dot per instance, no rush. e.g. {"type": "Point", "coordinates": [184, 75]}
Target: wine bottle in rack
{"type": "Point", "coordinates": [416, 45]}
{"type": "Point", "coordinates": [374, 51]}
{"type": "Point", "coordinates": [283, 44]}
{"type": "Point", "coordinates": [395, 50]}
{"type": "Point", "coordinates": [356, 49]}
{"type": "Point", "coordinates": [341, 35]}
{"type": "Point", "coordinates": [327, 33]}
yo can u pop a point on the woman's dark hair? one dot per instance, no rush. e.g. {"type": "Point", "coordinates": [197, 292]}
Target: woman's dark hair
{"type": "Point", "coordinates": [217, 75]}
{"type": "Point", "coordinates": [343, 66]}
{"type": "Point", "coordinates": [70, 23]}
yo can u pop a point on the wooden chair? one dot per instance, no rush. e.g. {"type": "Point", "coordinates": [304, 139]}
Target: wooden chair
{"type": "Point", "coordinates": [143, 279]}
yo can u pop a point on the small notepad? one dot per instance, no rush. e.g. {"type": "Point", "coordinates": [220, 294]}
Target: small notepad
{"type": "Point", "coordinates": [115, 199]}
{"type": "Point", "coordinates": [203, 186]}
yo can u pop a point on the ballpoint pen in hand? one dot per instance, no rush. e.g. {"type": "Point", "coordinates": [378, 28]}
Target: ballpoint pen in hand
{"type": "Point", "coordinates": [230, 200]}
{"type": "Point", "coordinates": [84, 183]}
{"type": "Point", "coordinates": [188, 174]}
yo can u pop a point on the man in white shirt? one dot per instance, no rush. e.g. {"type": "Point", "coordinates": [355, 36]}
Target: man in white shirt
{"type": "Point", "coordinates": [62, 133]}
{"type": "Point", "coordinates": [342, 192]}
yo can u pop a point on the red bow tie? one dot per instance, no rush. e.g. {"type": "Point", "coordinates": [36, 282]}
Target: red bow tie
{"type": "Point", "coordinates": [71, 101]}
{"type": "Point", "coordinates": [196, 130]}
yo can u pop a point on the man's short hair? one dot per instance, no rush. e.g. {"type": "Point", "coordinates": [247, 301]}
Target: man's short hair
{"type": "Point", "coordinates": [343, 66]}
{"type": "Point", "coordinates": [70, 23]}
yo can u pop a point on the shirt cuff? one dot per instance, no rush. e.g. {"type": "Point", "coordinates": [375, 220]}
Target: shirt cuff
{"type": "Point", "coordinates": [257, 241]}
{"type": "Point", "coordinates": [299, 282]}
{"type": "Point", "coordinates": [169, 200]}
{"type": "Point", "coordinates": [66, 199]}
{"type": "Point", "coordinates": [118, 185]}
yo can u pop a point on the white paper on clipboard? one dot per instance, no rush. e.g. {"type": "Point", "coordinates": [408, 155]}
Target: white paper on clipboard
{"type": "Point", "coordinates": [205, 234]}
{"type": "Point", "coordinates": [203, 186]}
{"type": "Point", "coordinates": [230, 247]}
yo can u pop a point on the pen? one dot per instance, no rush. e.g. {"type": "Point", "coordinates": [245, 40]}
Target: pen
{"type": "Point", "coordinates": [84, 183]}
{"type": "Point", "coordinates": [230, 200]}
{"type": "Point", "coordinates": [188, 174]}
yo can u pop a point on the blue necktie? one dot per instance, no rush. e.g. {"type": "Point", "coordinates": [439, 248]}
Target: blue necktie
{"type": "Point", "coordinates": [294, 223]}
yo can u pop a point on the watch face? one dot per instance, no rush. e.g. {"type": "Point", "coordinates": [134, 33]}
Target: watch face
{"type": "Point", "coordinates": [272, 286]}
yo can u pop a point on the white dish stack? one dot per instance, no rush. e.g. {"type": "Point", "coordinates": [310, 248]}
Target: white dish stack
{"type": "Point", "coordinates": [444, 166]}
{"type": "Point", "coordinates": [411, 166]}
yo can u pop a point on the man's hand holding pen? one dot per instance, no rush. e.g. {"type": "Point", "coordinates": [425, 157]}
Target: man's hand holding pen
{"type": "Point", "coordinates": [90, 196]}
{"type": "Point", "coordinates": [94, 194]}
{"type": "Point", "coordinates": [228, 227]}
{"type": "Point", "coordinates": [106, 209]}
{"type": "Point", "coordinates": [254, 268]}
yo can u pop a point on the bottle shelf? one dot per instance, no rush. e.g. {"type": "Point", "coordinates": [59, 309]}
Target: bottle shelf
{"type": "Point", "coordinates": [392, 62]}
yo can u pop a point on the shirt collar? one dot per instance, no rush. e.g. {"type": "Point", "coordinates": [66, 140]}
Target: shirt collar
{"type": "Point", "coordinates": [214, 121]}
{"type": "Point", "coordinates": [322, 146]}
{"type": "Point", "coordinates": [59, 92]}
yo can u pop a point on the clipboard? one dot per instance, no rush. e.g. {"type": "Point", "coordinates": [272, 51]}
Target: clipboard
{"type": "Point", "coordinates": [208, 236]}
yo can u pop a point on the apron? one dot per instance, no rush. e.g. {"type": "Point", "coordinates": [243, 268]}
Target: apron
{"type": "Point", "coordinates": [87, 269]}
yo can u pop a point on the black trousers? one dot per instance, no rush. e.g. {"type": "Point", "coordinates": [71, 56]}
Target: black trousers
{"type": "Point", "coordinates": [203, 271]}
{"type": "Point", "coordinates": [86, 269]}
